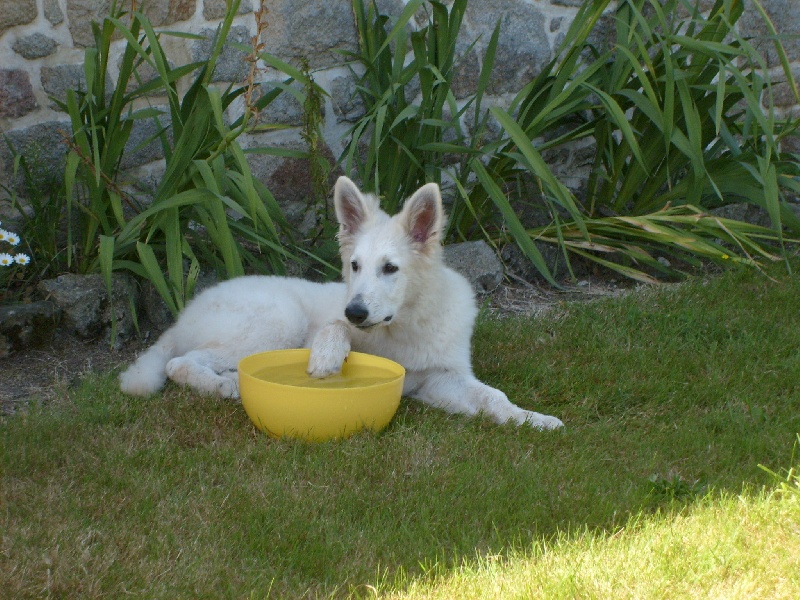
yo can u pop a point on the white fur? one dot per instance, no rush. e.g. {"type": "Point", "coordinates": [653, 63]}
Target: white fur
{"type": "Point", "coordinates": [407, 304]}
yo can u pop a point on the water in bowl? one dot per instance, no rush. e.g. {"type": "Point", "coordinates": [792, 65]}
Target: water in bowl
{"type": "Point", "coordinates": [295, 375]}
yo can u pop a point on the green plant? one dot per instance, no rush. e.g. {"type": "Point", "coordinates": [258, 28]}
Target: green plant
{"type": "Point", "coordinates": [208, 208]}
{"type": "Point", "coordinates": [402, 142]}
{"type": "Point", "coordinates": [10, 263]}
{"type": "Point", "coordinates": [788, 483]}
{"type": "Point", "coordinates": [674, 111]}
{"type": "Point", "coordinates": [40, 215]}
{"type": "Point", "coordinates": [319, 167]}
{"type": "Point", "coordinates": [673, 487]}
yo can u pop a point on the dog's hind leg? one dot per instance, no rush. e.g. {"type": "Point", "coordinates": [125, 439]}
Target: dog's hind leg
{"type": "Point", "coordinates": [464, 394]}
{"type": "Point", "coordinates": [205, 371]}
{"type": "Point", "coordinates": [147, 374]}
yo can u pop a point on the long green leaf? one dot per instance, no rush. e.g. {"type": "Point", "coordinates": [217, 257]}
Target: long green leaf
{"type": "Point", "coordinates": [151, 267]}
{"type": "Point", "coordinates": [516, 228]}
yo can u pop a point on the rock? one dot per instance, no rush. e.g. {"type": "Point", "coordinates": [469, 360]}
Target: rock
{"type": "Point", "coordinates": [166, 12]}
{"type": "Point", "coordinates": [138, 150]}
{"type": "Point", "coordinates": [289, 180]}
{"type": "Point", "coordinates": [26, 325]}
{"type": "Point", "coordinates": [35, 46]}
{"type": "Point", "coordinates": [153, 312]}
{"type": "Point", "coordinates": [43, 146]}
{"type": "Point", "coordinates": [231, 64]}
{"type": "Point", "coordinates": [16, 12]}
{"type": "Point", "coordinates": [477, 262]}
{"type": "Point", "coordinates": [786, 17]}
{"type": "Point", "coordinates": [750, 213]}
{"type": "Point", "coordinates": [16, 94]}
{"type": "Point", "coordinates": [518, 264]}
{"type": "Point", "coordinates": [144, 74]}
{"type": "Point", "coordinates": [311, 30]}
{"type": "Point", "coordinates": [58, 80]}
{"type": "Point", "coordinates": [523, 46]}
{"type": "Point", "coordinates": [87, 312]}
{"type": "Point", "coordinates": [348, 106]}
{"type": "Point", "coordinates": [52, 12]}
{"type": "Point", "coordinates": [81, 13]}
{"type": "Point", "coordinates": [215, 9]}
{"type": "Point", "coordinates": [742, 211]}
{"type": "Point", "coordinates": [782, 92]}
{"type": "Point", "coordinates": [466, 70]}
{"type": "Point", "coordinates": [286, 109]}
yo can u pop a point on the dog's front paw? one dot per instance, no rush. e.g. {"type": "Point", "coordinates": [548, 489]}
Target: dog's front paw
{"type": "Point", "coordinates": [329, 349]}
{"type": "Point", "coordinates": [324, 365]}
{"type": "Point", "coordinates": [544, 422]}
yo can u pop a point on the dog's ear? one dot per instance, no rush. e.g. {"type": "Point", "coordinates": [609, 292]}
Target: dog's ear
{"type": "Point", "coordinates": [423, 216]}
{"type": "Point", "coordinates": [352, 207]}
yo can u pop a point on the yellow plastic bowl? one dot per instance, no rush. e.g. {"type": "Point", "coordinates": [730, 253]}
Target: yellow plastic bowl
{"type": "Point", "coordinates": [282, 400]}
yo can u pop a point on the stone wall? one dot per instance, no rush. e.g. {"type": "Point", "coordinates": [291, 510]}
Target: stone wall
{"type": "Point", "coordinates": [42, 44]}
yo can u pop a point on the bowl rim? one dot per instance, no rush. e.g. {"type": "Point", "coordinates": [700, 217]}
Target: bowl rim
{"type": "Point", "coordinates": [354, 358]}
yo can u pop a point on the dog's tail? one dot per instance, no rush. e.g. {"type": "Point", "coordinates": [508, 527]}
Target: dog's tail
{"type": "Point", "coordinates": [148, 375]}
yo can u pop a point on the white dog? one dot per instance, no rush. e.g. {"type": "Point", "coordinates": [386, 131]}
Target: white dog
{"type": "Point", "coordinates": [398, 300]}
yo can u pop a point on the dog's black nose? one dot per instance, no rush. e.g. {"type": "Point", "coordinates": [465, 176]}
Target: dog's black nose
{"type": "Point", "coordinates": [356, 313]}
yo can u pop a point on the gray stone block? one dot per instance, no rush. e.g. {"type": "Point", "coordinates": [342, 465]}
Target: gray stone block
{"type": "Point", "coordinates": [87, 310]}
{"type": "Point", "coordinates": [523, 47]}
{"type": "Point", "coordinates": [166, 12]}
{"type": "Point", "coordinates": [36, 45]}
{"type": "Point", "coordinates": [783, 95]}
{"type": "Point", "coordinates": [311, 29]}
{"type": "Point", "coordinates": [43, 146]}
{"type": "Point", "coordinates": [750, 213]}
{"type": "Point", "coordinates": [81, 13]}
{"type": "Point", "coordinates": [231, 64]}
{"type": "Point", "coordinates": [16, 94]}
{"type": "Point", "coordinates": [347, 104]}
{"type": "Point", "coordinates": [467, 69]}
{"type": "Point", "coordinates": [215, 9]}
{"type": "Point", "coordinates": [141, 148]}
{"type": "Point", "coordinates": [289, 180]}
{"type": "Point", "coordinates": [60, 78]}
{"type": "Point", "coordinates": [477, 262]}
{"type": "Point", "coordinates": [145, 73]}
{"type": "Point", "coordinates": [16, 12]}
{"type": "Point", "coordinates": [785, 15]}
{"type": "Point", "coordinates": [284, 110]}
{"type": "Point", "coordinates": [53, 12]}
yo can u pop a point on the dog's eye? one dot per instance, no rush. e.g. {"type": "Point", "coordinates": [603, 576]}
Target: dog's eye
{"type": "Point", "coordinates": [354, 266]}
{"type": "Point", "coordinates": [389, 268]}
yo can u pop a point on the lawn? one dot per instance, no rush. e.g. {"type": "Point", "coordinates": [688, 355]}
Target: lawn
{"type": "Point", "coordinates": [672, 398]}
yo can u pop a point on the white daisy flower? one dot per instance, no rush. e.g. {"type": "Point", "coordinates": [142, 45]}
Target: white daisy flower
{"type": "Point", "coordinates": [22, 259]}
{"type": "Point", "coordinates": [4, 235]}
{"type": "Point", "coordinates": [12, 238]}
{"type": "Point", "coordinates": [6, 260]}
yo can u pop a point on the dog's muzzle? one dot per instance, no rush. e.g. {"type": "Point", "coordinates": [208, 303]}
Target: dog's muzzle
{"type": "Point", "coordinates": [357, 313]}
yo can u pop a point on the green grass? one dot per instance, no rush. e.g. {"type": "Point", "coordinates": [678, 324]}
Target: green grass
{"type": "Point", "coordinates": [672, 398]}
